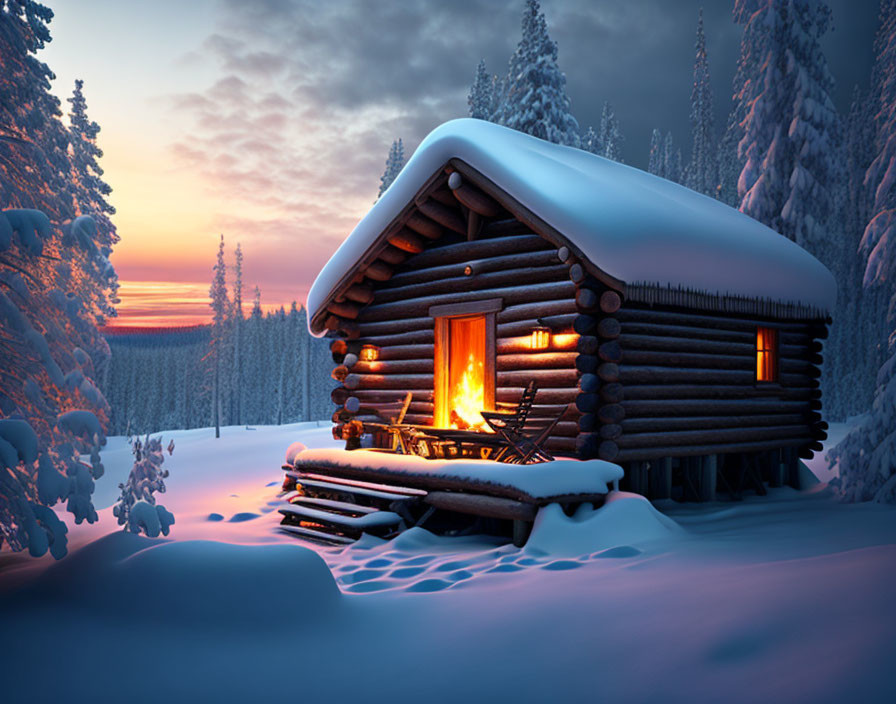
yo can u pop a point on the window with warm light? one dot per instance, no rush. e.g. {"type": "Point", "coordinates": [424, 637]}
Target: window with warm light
{"type": "Point", "coordinates": [540, 338]}
{"type": "Point", "coordinates": [766, 354]}
{"type": "Point", "coordinates": [370, 353]}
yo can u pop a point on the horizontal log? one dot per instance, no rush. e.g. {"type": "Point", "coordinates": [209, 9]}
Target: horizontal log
{"type": "Point", "coordinates": [559, 445]}
{"type": "Point", "coordinates": [504, 394]}
{"type": "Point", "coordinates": [610, 352]}
{"type": "Point", "coordinates": [611, 413]}
{"type": "Point", "coordinates": [721, 320]}
{"type": "Point", "coordinates": [709, 361]}
{"type": "Point", "coordinates": [698, 391]}
{"type": "Point", "coordinates": [441, 255]}
{"type": "Point", "coordinates": [359, 293]}
{"type": "Point", "coordinates": [586, 364]}
{"type": "Point", "coordinates": [649, 453]}
{"type": "Point", "coordinates": [608, 450]}
{"type": "Point", "coordinates": [339, 395]}
{"type": "Point", "coordinates": [608, 372]}
{"type": "Point", "coordinates": [393, 408]}
{"type": "Point", "coordinates": [392, 255]}
{"type": "Point", "coordinates": [710, 436]}
{"type": "Point", "coordinates": [608, 328]}
{"type": "Point", "coordinates": [505, 227]}
{"type": "Point", "coordinates": [585, 324]}
{"type": "Point", "coordinates": [378, 271]}
{"type": "Point", "coordinates": [559, 324]}
{"type": "Point", "coordinates": [532, 312]}
{"type": "Point", "coordinates": [397, 366]}
{"type": "Point", "coordinates": [674, 375]}
{"type": "Point", "coordinates": [664, 424]}
{"type": "Point", "coordinates": [612, 392]}
{"type": "Point", "coordinates": [535, 360]}
{"type": "Point", "coordinates": [576, 273]}
{"type": "Point", "coordinates": [610, 431]}
{"type": "Point", "coordinates": [388, 381]}
{"type": "Point", "coordinates": [461, 282]}
{"type": "Point", "coordinates": [610, 302]}
{"type": "Point", "coordinates": [588, 344]}
{"type": "Point", "coordinates": [424, 226]}
{"type": "Point", "coordinates": [401, 338]}
{"type": "Point", "coordinates": [586, 299]}
{"type": "Point", "coordinates": [589, 383]}
{"type": "Point", "coordinates": [510, 345]}
{"type": "Point", "coordinates": [339, 373]}
{"type": "Point", "coordinates": [478, 505]}
{"type": "Point", "coordinates": [344, 310]}
{"type": "Point", "coordinates": [543, 377]}
{"type": "Point", "coordinates": [369, 396]}
{"type": "Point", "coordinates": [445, 216]}
{"type": "Point", "coordinates": [700, 407]}
{"type": "Point", "coordinates": [418, 351]}
{"type": "Point", "coordinates": [588, 422]}
{"type": "Point", "coordinates": [511, 295]}
{"type": "Point", "coordinates": [407, 241]}
{"type": "Point", "coordinates": [587, 445]}
{"type": "Point", "coordinates": [477, 201]}
{"type": "Point", "coordinates": [395, 326]}
{"type": "Point", "coordinates": [587, 403]}
{"type": "Point", "coordinates": [443, 195]}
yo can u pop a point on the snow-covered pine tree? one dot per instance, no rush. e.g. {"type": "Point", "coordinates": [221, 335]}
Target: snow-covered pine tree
{"type": "Point", "coordinates": [656, 163]}
{"type": "Point", "coordinates": [702, 170]}
{"type": "Point", "coordinates": [137, 509]}
{"type": "Point", "coordinates": [394, 165]}
{"type": "Point", "coordinates": [90, 198]}
{"type": "Point", "coordinates": [610, 136]}
{"type": "Point", "coordinates": [236, 335]}
{"type": "Point", "coordinates": [220, 305]}
{"type": "Point", "coordinates": [591, 142]}
{"type": "Point", "coordinates": [481, 99]}
{"type": "Point", "coordinates": [867, 456]}
{"type": "Point", "coordinates": [671, 159]}
{"type": "Point", "coordinates": [791, 128]}
{"type": "Point", "coordinates": [535, 99]}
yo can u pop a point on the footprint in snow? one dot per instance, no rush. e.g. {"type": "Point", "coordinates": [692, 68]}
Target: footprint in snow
{"type": "Point", "coordinates": [429, 585]}
{"type": "Point", "coordinates": [406, 572]}
{"type": "Point", "coordinates": [562, 565]}
{"type": "Point", "coordinates": [376, 585]}
{"type": "Point", "coordinates": [215, 517]}
{"type": "Point", "coordinates": [241, 517]}
{"type": "Point", "coordinates": [505, 567]}
{"type": "Point", "coordinates": [621, 551]}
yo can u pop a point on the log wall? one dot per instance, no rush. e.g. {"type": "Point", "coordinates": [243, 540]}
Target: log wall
{"type": "Point", "coordinates": [525, 272]}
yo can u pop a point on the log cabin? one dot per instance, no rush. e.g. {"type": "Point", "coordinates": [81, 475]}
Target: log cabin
{"type": "Point", "coordinates": [682, 337]}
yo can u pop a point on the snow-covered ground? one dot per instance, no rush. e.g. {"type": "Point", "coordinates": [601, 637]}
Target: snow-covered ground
{"type": "Point", "coordinates": [783, 598]}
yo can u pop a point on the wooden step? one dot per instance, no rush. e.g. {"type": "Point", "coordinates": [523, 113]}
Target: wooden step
{"type": "Point", "coordinates": [317, 535]}
{"type": "Point", "coordinates": [377, 519]}
{"type": "Point", "coordinates": [392, 488]}
{"type": "Point", "coordinates": [339, 506]}
{"type": "Point", "coordinates": [354, 490]}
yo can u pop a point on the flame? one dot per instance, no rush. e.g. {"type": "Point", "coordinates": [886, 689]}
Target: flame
{"type": "Point", "coordinates": [468, 397]}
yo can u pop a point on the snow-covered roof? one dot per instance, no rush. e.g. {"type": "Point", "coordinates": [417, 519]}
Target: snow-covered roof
{"type": "Point", "coordinates": [633, 226]}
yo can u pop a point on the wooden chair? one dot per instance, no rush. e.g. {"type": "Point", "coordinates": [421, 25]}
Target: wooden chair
{"type": "Point", "coordinates": [515, 419]}
{"type": "Point", "coordinates": [526, 447]}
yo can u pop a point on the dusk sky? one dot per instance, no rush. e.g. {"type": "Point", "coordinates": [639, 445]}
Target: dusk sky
{"type": "Point", "coordinates": [269, 121]}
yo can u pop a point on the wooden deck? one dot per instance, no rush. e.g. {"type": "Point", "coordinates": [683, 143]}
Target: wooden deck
{"type": "Point", "coordinates": [338, 503]}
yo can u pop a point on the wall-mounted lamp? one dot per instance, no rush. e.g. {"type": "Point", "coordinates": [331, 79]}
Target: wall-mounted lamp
{"type": "Point", "coordinates": [540, 339]}
{"type": "Point", "coordinates": [369, 353]}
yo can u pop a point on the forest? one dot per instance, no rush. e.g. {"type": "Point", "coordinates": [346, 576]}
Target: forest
{"type": "Point", "coordinates": [785, 156]}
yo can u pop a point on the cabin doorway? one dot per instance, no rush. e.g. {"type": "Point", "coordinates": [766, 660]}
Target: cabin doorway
{"type": "Point", "coordinates": [464, 372]}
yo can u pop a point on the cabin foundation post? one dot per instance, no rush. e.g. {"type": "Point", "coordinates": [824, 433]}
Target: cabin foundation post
{"type": "Point", "coordinates": [792, 467]}
{"type": "Point", "coordinates": [776, 468]}
{"type": "Point", "coordinates": [709, 472]}
{"type": "Point", "coordinates": [637, 480]}
{"type": "Point", "coordinates": [521, 530]}
{"type": "Point", "coordinates": [660, 479]}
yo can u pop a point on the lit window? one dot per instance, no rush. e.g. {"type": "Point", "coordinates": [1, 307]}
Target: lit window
{"type": "Point", "coordinates": [766, 354]}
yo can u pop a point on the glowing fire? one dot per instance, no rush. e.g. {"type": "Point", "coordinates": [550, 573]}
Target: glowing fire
{"type": "Point", "coordinates": [468, 398]}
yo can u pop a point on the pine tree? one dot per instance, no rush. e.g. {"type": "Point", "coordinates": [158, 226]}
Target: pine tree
{"type": "Point", "coordinates": [671, 160]}
{"type": "Point", "coordinates": [236, 382]}
{"type": "Point", "coordinates": [867, 456]}
{"type": "Point", "coordinates": [791, 128]}
{"type": "Point", "coordinates": [90, 198]}
{"type": "Point", "coordinates": [656, 163]}
{"type": "Point", "coordinates": [217, 345]}
{"type": "Point", "coordinates": [702, 171]}
{"type": "Point", "coordinates": [535, 100]}
{"type": "Point", "coordinates": [591, 142]}
{"type": "Point", "coordinates": [610, 138]}
{"type": "Point", "coordinates": [481, 99]}
{"type": "Point", "coordinates": [394, 164]}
